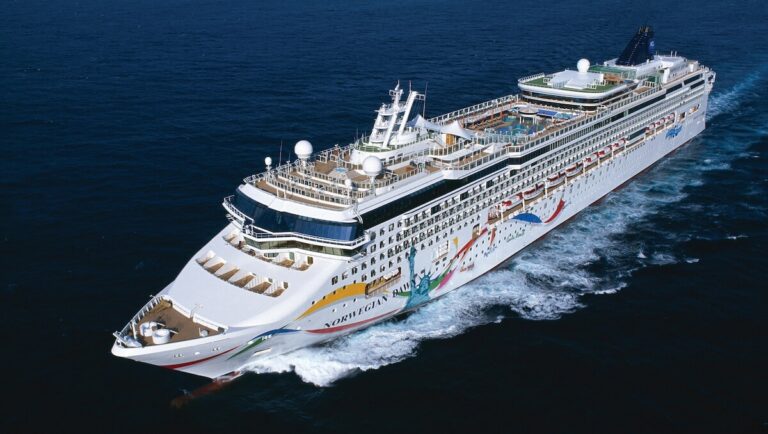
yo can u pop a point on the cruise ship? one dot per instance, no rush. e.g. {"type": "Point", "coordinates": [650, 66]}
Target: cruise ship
{"type": "Point", "coordinates": [349, 236]}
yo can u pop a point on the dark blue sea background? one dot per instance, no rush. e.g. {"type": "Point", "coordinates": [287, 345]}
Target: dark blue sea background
{"type": "Point", "coordinates": [123, 124]}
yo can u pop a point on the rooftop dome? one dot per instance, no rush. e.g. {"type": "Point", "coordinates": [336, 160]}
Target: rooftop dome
{"type": "Point", "coordinates": [372, 166]}
{"type": "Point", "coordinates": [582, 66]}
{"type": "Point", "coordinates": [303, 149]}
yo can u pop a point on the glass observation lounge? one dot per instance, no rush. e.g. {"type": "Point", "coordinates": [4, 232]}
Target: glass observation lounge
{"type": "Point", "coordinates": [278, 222]}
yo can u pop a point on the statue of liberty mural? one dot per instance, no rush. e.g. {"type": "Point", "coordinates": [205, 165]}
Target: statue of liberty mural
{"type": "Point", "coordinates": [420, 292]}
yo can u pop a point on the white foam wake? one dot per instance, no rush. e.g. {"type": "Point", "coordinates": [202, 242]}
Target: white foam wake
{"type": "Point", "coordinates": [542, 283]}
{"type": "Point", "coordinates": [729, 100]}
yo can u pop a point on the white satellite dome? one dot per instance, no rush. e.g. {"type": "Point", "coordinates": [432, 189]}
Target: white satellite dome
{"type": "Point", "coordinates": [268, 161]}
{"type": "Point", "coordinates": [303, 149]}
{"type": "Point", "coordinates": [582, 65]}
{"type": "Point", "coordinates": [372, 166]}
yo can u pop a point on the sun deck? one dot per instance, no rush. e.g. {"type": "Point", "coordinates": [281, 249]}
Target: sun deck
{"type": "Point", "coordinates": [546, 82]}
{"type": "Point", "coordinates": [164, 316]}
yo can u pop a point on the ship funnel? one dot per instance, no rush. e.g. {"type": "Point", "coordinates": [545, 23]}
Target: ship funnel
{"type": "Point", "coordinates": [640, 49]}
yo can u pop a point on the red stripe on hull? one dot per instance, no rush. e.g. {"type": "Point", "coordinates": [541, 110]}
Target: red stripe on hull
{"type": "Point", "coordinates": [557, 211]}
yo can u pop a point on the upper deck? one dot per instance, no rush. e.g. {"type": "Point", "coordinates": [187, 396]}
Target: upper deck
{"type": "Point", "coordinates": [335, 179]}
{"type": "Point", "coordinates": [401, 156]}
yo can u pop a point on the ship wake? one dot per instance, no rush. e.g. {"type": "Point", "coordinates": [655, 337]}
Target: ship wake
{"type": "Point", "coordinates": [595, 253]}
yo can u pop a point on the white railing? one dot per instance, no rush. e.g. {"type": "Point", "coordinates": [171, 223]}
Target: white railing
{"type": "Point", "coordinates": [531, 77]}
{"type": "Point", "coordinates": [129, 328]}
{"type": "Point", "coordinates": [227, 203]}
{"type": "Point", "coordinates": [261, 235]}
{"type": "Point", "coordinates": [473, 109]}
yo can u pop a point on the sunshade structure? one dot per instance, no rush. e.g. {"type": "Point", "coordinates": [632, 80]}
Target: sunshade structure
{"type": "Point", "coordinates": [453, 128]}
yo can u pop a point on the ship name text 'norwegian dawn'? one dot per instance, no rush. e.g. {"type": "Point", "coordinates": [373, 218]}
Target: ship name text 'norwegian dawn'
{"type": "Point", "coordinates": [350, 236]}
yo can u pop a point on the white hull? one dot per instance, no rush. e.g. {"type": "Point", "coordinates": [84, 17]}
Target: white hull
{"type": "Point", "coordinates": [468, 256]}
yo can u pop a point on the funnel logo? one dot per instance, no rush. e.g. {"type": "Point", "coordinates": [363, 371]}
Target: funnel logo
{"type": "Point", "coordinates": [652, 46]}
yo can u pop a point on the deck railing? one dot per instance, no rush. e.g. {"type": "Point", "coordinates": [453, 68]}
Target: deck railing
{"type": "Point", "coordinates": [259, 234]}
{"type": "Point", "coordinates": [130, 328]}
{"type": "Point", "coordinates": [474, 109]}
{"type": "Point", "coordinates": [227, 203]}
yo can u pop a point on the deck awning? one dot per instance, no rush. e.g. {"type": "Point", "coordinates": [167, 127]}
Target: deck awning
{"type": "Point", "coordinates": [420, 122]}
{"type": "Point", "coordinates": [454, 128]}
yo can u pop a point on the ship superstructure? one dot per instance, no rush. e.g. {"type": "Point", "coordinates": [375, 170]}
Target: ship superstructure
{"type": "Point", "coordinates": [352, 235]}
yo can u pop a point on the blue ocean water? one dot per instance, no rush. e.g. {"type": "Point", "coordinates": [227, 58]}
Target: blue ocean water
{"type": "Point", "coordinates": [123, 124]}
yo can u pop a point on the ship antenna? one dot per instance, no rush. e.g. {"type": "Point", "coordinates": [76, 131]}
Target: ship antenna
{"type": "Point", "coordinates": [280, 159]}
{"type": "Point", "coordinates": [424, 106]}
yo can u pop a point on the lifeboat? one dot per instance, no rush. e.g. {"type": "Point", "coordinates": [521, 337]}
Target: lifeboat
{"type": "Point", "coordinates": [572, 170]}
{"type": "Point", "coordinates": [590, 161]}
{"type": "Point", "coordinates": [615, 146]}
{"type": "Point", "coordinates": [533, 192]}
{"type": "Point", "coordinates": [603, 153]}
{"type": "Point", "coordinates": [509, 203]}
{"type": "Point", "coordinates": [659, 123]}
{"type": "Point", "coordinates": [622, 141]}
{"type": "Point", "coordinates": [555, 179]}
